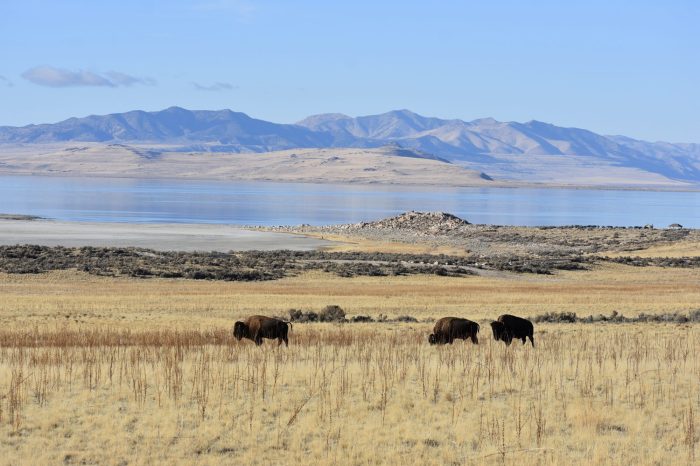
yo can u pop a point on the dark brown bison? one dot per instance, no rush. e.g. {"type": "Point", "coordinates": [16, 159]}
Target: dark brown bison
{"type": "Point", "coordinates": [447, 329]}
{"type": "Point", "coordinates": [508, 327]}
{"type": "Point", "coordinates": [258, 327]}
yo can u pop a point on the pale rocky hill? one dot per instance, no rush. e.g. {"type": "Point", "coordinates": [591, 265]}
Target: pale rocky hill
{"type": "Point", "coordinates": [386, 165]}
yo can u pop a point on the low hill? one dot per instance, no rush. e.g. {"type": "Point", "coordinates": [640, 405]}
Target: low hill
{"type": "Point", "coordinates": [386, 165]}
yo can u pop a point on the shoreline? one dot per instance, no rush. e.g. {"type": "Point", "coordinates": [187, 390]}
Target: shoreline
{"type": "Point", "coordinates": [189, 237]}
{"type": "Point", "coordinates": [496, 184]}
{"type": "Point", "coordinates": [410, 232]}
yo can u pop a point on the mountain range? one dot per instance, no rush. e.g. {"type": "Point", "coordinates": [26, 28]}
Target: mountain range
{"type": "Point", "coordinates": [510, 150]}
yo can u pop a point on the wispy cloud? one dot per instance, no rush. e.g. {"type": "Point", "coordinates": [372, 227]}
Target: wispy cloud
{"type": "Point", "coordinates": [122, 79]}
{"type": "Point", "coordinates": [216, 87]}
{"type": "Point", "coordinates": [58, 77]}
{"type": "Point", "coordinates": [6, 82]}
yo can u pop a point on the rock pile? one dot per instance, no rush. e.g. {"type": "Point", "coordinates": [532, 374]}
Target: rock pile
{"type": "Point", "coordinates": [423, 222]}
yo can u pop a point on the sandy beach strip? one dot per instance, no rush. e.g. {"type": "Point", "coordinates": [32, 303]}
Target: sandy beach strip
{"type": "Point", "coordinates": [161, 237]}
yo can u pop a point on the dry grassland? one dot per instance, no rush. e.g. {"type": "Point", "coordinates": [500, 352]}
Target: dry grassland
{"type": "Point", "coordinates": [98, 370]}
{"type": "Point", "coordinates": [675, 249]}
{"type": "Point", "coordinates": [74, 297]}
{"type": "Point", "coordinates": [342, 243]}
{"type": "Point", "coordinates": [362, 394]}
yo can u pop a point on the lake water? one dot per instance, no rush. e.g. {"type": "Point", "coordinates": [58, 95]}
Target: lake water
{"type": "Point", "coordinates": [262, 203]}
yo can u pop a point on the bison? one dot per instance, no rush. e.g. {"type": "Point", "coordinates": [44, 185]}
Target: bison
{"type": "Point", "coordinates": [508, 327]}
{"type": "Point", "coordinates": [258, 327]}
{"type": "Point", "coordinates": [449, 328]}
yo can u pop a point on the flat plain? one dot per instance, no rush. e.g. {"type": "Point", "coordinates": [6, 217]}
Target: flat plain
{"type": "Point", "coordinates": [161, 237]}
{"type": "Point", "coordinates": [122, 370]}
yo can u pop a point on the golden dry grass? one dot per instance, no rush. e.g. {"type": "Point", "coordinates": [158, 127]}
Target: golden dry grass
{"type": "Point", "coordinates": [100, 370]}
{"type": "Point", "coordinates": [676, 249]}
{"type": "Point", "coordinates": [360, 244]}
{"type": "Point", "coordinates": [361, 394]}
{"type": "Point", "coordinates": [75, 297]}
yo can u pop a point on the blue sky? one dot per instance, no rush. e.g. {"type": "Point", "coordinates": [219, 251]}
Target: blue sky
{"type": "Point", "coordinates": [615, 67]}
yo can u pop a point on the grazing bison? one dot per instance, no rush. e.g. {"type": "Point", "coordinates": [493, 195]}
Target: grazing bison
{"type": "Point", "coordinates": [258, 327]}
{"type": "Point", "coordinates": [449, 328]}
{"type": "Point", "coordinates": [508, 327]}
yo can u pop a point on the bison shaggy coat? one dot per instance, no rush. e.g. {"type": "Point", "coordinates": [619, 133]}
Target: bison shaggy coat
{"type": "Point", "coordinates": [448, 329]}
{"type": "Point", "coordinates": [258, 327]}
{"type": "Point", "coordinates": [508, 327]}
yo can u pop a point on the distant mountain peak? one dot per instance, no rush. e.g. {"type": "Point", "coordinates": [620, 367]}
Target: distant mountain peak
{"type": "Point", "coordinates": [175, 108]}
{"type": "Point", "coordinates": [404, 112]}
{"type": "Point", "coordinates": [321, 118]}
{"type": "Point", "coordinates": [478, 142]}
{"type": "Point", "coordinates": [486, 121]}
{"type": "Point", "coordinates": [538, 123]}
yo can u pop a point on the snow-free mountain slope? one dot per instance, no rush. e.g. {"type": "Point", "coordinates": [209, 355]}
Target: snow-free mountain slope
{"type": "Point", "coordinates": [487, 140]}
{"type": "Point", "coordinates": [172, 125]}
{"type": "Point", "coordinates": [514, 150]}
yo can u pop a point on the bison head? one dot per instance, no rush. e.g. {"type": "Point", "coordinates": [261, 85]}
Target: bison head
{"type": "Point", "coordinates": [498, 330]}
{"type": "Point", "coordinates": [240, 330]}
{"type": "Point", "coordinates": [432, 339]}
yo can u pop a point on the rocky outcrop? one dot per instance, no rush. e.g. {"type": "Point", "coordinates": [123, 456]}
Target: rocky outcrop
{"type": "Point", "coordinates": [418, 222]}
{"type": "Point", "coordinates": [439, 229]}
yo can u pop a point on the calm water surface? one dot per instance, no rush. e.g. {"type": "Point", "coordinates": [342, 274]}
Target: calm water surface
{"type": "Point", "coordinates": [262, 203]}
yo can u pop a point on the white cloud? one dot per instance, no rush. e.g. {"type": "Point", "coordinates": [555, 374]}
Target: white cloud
{"type": "Point", "coordinates": [216, 87]}
{"type": "Point", "coordinates": [58, 77]}
{"type": "Point", "coordinates": [5, 81]}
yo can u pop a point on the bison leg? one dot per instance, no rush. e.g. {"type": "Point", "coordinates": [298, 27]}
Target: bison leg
{"type": "Point", "coordinates": [507, 337]}
{"type": "Point", "coordinates": [475, 339]}
{"type": "Point", "coordinates": [258, 339]}
{"type": "Point", "coordinates": [524, 340]}
{"type": "Point", "coordinates": [531, 340]}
